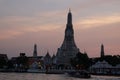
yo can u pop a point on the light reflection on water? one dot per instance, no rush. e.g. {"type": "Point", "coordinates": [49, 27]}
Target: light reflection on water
{"type": "Point", "coordinates": [39, 76]}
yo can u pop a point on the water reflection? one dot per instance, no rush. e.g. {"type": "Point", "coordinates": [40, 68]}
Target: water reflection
{"type": "Point", "coordinates": [38, 76]}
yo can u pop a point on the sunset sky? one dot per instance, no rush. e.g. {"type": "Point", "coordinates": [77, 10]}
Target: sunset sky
{"type": "Point", "coordinates": [26, 22]}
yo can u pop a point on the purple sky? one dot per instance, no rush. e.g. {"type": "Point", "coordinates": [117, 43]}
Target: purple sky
{"type": "Point", "coordinates": [26, 22]}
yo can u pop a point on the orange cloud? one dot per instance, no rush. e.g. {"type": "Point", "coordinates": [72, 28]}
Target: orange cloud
{"type": "Point", "coordinates": [98, 21]}
{"type": "Point", "coordinates": [9, 34]}
{"type": "Point", "coordinates": [18, 25]}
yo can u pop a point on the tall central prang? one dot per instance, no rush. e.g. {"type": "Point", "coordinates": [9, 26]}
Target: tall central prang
{"type": "Point", "coordinates": [68, 49]}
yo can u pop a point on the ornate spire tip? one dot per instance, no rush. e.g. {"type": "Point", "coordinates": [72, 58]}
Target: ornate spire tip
{"type": "Point", "coordinates": [69, 10]}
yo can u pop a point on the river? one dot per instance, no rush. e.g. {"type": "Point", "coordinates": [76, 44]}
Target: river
{"type": "Point", "coordinates": [39, 76]}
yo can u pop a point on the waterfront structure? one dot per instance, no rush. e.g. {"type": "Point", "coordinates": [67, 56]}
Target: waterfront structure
{"type": "Point", "coordinates": [102, 67]}
{"type": "Point", "coordinates": [35, 61]}
{"type": "Point", "coordinates": [117, 69]}
{"type": "Point", "coordinates": [68, 48]}
{"type": "Point", "coordinates": [19, 63]}
{"type": "Point", "coordinates": [102, 51]}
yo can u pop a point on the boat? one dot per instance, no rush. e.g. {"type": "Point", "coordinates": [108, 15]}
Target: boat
{"type": "Point", "coordinates": [36, 71]}
{"type": "Point", "coordinates": [79, 74]}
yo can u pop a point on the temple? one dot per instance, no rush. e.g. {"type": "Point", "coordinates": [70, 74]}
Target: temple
{"type": "Point", "coordinates": [68, 48]}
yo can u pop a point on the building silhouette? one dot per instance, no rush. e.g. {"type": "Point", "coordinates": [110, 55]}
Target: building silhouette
{"type": "Point", "coordinates": [68, 48]}
{"type": "Point", "coordinates": [35, 61]}
{"type": "Point", "coordinates": [35, 51]}
{"type": "Point", "coordinates": [47, 59]}
{"type": "Point", "coordinates": [102, 51]}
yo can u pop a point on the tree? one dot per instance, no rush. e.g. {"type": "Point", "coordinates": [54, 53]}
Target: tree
{"type": "Point", "coordinates": [22, 60]}
{"type": "Point", "coordinates": [81, 61]}
{"type": "Point", "coordinates": [3, 62]}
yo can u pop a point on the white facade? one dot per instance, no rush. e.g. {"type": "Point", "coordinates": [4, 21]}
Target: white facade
{"type": "Point", "coordinates": [104, 68]}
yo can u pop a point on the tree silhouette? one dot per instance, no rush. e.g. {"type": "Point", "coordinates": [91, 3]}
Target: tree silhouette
{"type": "Point", "coordinates": [80, 61]}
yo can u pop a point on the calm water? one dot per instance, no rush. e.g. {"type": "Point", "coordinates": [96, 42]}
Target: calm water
{"type": "Point", "coordinates": [38, 76]}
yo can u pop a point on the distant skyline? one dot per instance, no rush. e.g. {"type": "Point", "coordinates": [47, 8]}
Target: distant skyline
{"type": "Point", "coordinates": [24, 23]}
